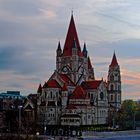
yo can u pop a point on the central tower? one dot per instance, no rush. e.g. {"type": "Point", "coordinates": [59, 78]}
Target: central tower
{"type": "Point", "coordinates": [71, 60]}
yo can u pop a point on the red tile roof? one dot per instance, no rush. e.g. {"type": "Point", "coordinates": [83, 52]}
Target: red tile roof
{"type": "Point", "coordinates": [78, 93]}
{"type": "Point", "coordinates": [114, 61]}
{"type": "Point", "coordinates": [52, 84]}
{"type": "Point", "coordinates": [91, 84]}
{"type": "Point", "coordinates": [71, 35]}
{"type": "Point", "coordinates": [64, 88]}
{"type": "Point", "coordinates": [39, 89]}
{"type": "Point", "coordinates": [89, 64]}
{"type": "Point", "coordinates": [66, 79]}
{"type": "Point", "coordinates": [71, 106]}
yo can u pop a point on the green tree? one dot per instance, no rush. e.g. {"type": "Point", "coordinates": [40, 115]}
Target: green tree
{"type": "Point", "coordinates": [126, 115]}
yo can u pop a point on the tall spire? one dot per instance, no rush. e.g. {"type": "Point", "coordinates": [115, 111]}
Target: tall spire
{"type": "Point", "coordinates": [114, 61]}
{"type": "Point", "coordinates": [71, 35]}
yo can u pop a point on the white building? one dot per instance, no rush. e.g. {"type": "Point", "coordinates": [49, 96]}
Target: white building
{"type": "Point", "coordinates": [72, 95]}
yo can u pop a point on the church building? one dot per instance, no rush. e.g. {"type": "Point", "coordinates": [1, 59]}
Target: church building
{"type": "Point", "coordinates": [72, 95]}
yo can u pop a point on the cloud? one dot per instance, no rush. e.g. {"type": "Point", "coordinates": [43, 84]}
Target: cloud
{"type": "Point", "coordinates": [30, 31]}
{"type": "Point", "coordinates": [48, 13]}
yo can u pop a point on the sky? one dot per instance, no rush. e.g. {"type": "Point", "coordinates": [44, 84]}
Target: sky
{"type": "Point", "coordinates": [30, 31]}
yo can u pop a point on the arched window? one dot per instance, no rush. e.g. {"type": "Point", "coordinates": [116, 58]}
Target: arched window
{"type": "Point", "coordinates": [51, 95]}
{"type": "Point", "coordinates": [119, 87]}
{"type": "Point", "coordinates": [111, 77]}
{"type": "Point", "coordinates": [45, 94]}
{"type": "Point", "coordinates": [111, 97]}
{"type": "Point", "coordinates": [119, 78]}
{"type": "Point", "coordinates": [111, 87]}
{"type": "Point", "coordinates": [89, 95]}
{"type": "Point", "coordinates": [101, 95]}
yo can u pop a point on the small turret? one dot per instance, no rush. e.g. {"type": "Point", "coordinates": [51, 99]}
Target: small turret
{"type": "Point", "coordinates": [84, 50]}
{"type": "Point", "coordinates": [59, 50]}
{"type": "Point", "coordinates": [58, 57]}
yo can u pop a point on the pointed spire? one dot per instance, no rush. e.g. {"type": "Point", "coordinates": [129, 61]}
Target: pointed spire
{"type": "Point", "coordinates": [114, 61]}
{"type": "Point", "coordinates": [71, 34]}
{"type": "Point", "coordinates": [39, 89]}
{"type": "Point", "coordinates": [59, 47]}
{"type": "Point", "coordinates": [59, 50]}
{"type": "Point", "coordinates": [89, 64]}
{"type": "Point", "coordinates": [85, 50]}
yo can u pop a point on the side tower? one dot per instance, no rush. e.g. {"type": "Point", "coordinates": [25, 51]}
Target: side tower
{"type": "Point", "coordinates": [114, 84]}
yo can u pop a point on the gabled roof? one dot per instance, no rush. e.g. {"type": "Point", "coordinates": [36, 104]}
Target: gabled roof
{"type": "Point", "coordinates": [39, 89]}
{"type": "Point", "coordinates": [91, 84]}
{"type": "Point", "coordinates": [71, 106]}
{"type": "Point", "coordinates": [78, 93]}
{"type": "Point", "coordinates": [114, 61]}
{"type": "Point", "coordinates": [51, 84]}
{"type": "Point", "coordinates": [71, 35]}
{"type": "Point", "coordinates": [89, 64]}
{"type": "Point", "coordinates": [66, 79]}
{"type": "Point", "coordinates": [28, 107]}
{"type": "Point", "coordinates": [33, 98]}
{"type": "Point", "coordinates": [64, 88]}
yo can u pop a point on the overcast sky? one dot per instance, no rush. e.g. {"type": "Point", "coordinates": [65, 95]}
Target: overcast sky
{"type": "Point", "coordinates": [30, 31]}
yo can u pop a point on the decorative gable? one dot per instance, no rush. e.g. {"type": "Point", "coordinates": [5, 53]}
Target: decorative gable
{"type": "Point", "coordinates": [78, 93]}
{"type": "Point", "coordinates": [91, 84]}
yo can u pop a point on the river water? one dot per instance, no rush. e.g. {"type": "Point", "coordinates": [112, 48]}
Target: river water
{"type": "Point", "coordinates": [135, 137]}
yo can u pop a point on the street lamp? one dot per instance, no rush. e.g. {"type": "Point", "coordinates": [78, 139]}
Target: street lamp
{"type": "Point", "coordinates": [19, 107]}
